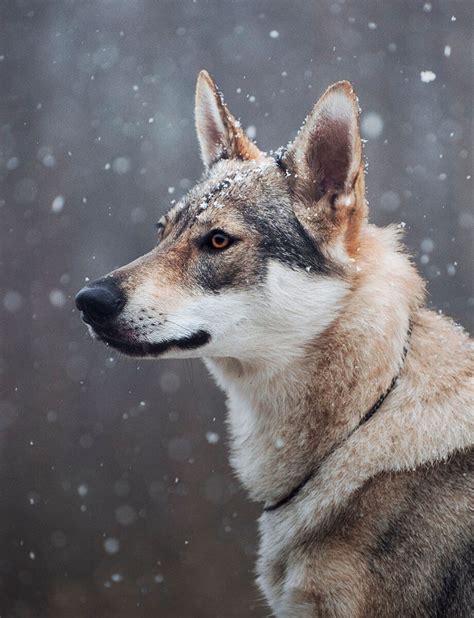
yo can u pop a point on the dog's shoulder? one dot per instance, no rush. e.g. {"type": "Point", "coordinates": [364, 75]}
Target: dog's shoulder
{"type": "Point", "coordinates": [415, 531]}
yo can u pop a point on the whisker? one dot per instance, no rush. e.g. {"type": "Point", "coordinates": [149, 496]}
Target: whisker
{"type": "Point", "coordinates": [185, 330]}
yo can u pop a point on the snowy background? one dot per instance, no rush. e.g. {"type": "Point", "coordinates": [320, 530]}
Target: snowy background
{"type": "Point", "coordinates": [116, 496]}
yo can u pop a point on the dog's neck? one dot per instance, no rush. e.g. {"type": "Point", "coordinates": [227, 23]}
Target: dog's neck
{"type": "Point", "coordinates": [285, 421]}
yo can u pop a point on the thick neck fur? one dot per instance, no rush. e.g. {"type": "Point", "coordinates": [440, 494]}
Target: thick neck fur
{"type": "Point", "coordinates": [284, 420]}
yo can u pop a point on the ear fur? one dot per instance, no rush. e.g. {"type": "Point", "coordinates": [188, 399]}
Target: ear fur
{"type": "Point", "coordinates": [326, 171]}
{"type": "Point", "coordinates": [220, 135]}
{"type": "Point", "coordinates": [326, 154]}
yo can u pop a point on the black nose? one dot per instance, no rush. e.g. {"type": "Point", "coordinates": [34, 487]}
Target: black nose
{"type": "Point", "coordinates": [101, 301]}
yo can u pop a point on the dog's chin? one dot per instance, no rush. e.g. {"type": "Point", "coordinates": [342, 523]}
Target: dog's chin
{"type": "Point", "coordinates": [152, 350]}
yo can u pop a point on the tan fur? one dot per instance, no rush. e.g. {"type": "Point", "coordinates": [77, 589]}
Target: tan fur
{"type": "Point", "coordinates": [381, 526]}
{"type": "Point", "coordinates": [429, 417]}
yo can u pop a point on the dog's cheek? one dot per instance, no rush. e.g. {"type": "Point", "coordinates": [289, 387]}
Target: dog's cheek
{"type": "Point", "coordinates": [214, 273]}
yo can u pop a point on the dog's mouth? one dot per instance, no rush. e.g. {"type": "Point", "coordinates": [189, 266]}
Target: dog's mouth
{"type": "Point", "coordinates": [136, 348]}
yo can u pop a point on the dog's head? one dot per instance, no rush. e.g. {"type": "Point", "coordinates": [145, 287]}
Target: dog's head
{"type": "Point", "coordinates": [254, 262]}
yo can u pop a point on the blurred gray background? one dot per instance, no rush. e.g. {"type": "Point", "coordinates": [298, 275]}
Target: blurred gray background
{"type": "Point", "coordinates": [116, 499]}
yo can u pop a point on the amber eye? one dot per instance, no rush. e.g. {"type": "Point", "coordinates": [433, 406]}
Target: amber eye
{"type": "Point", "coordinates": [219, 241]}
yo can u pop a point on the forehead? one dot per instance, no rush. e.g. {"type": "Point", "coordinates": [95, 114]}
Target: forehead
{"type": "Point", "coordinates": [254, 198]}
{"type": "Point", "coordinates": [236, 189]}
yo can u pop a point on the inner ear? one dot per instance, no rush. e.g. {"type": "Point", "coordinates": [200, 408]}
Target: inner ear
{"type": "Point", "coordinates": [220, 135]}
{"type": "Point", "coordinates": [326, 154]}
{"type": "Point", "coordinates": [329, 156]}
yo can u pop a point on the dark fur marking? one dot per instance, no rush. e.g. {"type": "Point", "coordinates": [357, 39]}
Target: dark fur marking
{"type": "Point", "coordinates": [394, 541]}
{"type": "Point", "coordinates": [408, 540]}
{"type": "Point", "coordinates": [456, 582]}
{"type": "Point", "coordinates": [283, 238]}
{"type": "Point", "coordinates": [390, 542]}
{"type": "Point", "coordinates": [279, 156]}
{"type": "Point", "coordinates": [181, 218]}
{"type": "Point", "coordinates": [213, 272]}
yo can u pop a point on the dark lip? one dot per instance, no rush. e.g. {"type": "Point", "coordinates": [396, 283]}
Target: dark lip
{"type": "Point", "coordinates": [135, 348]}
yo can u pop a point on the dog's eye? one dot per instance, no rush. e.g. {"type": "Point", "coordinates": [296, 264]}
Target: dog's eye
{"type": "Point", "coordinates": [218, 240]}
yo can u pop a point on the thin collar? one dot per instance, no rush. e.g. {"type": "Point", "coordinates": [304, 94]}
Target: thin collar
{"type": "Point", "coordinates": [363, 420]}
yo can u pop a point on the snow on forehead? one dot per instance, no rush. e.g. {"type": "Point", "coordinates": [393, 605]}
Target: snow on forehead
{"type": "Point", "coordinates": [224, 184]}
{"type": "Point", "coordinates": [217, 189]}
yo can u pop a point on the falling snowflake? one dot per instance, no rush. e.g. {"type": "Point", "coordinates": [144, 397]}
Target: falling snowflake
{"type": "Point", "coordinates": [427, 76]}
{"type": "Point", "coordinates": [58, 204]}
{"type": "Point", "coordinates": [212, 437]}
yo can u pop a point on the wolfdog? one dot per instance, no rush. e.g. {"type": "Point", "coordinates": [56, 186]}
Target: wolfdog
{"type": "Point", "coordinates": [349, 403]}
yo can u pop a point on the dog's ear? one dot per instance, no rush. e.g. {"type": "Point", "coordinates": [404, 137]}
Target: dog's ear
{"type": "Point", "coordinates": [220, 135]}
{"type": "Point", "coordinates": [325, 168]}
{"type": "Point", "coordinates": [326, 155]}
